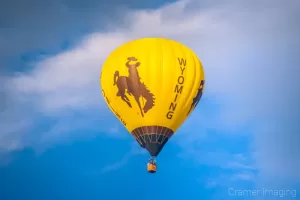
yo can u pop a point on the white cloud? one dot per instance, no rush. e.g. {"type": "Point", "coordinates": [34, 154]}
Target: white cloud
{"type": "Point", "coordinates": [70, 79]}
{"type": "Point", "coordinates": [249, 55]}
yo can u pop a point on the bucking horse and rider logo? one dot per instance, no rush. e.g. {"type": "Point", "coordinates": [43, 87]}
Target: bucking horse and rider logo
{"type": "Point", "coordinates": [132, 83]}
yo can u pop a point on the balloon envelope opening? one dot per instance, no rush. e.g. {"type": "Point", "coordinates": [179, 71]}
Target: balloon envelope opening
{"type": "Point", "coordinates": [155, 148]}
{"type": "Point", "coordinates": [152, 138]}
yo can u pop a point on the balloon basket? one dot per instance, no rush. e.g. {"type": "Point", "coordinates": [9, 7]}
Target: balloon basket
{"type": "Point", "coordinates": [151, 166]}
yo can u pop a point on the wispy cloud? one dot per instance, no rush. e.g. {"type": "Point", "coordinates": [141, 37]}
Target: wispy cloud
{"type": "Point", "coordinates": [237, 165]}
{"type": "Point", "coordinates": [221, 159]}
{"type": "Point", "coordinates": [135, 150]}
{"type": "Point", "coordinates": [244, 176]}
{"type": "Point", "coordinates": [240, 161]}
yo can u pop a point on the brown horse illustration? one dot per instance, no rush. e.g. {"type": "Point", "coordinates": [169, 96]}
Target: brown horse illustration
{"type": "Point", "coordinates": [197, 98]}
{"type": "Point", "coordinates": [134, 86]}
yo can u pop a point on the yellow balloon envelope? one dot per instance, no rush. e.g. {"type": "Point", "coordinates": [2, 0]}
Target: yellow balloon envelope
{"type": "Point", "coordinates": [152, 85]}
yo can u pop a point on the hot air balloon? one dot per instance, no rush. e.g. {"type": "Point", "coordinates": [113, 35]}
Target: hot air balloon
{"type": "Point", "coordinates": [152, 85]}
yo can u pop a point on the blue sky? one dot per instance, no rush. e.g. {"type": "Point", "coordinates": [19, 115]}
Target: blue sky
{"type": "Point", "coordinates": [58, 139]}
